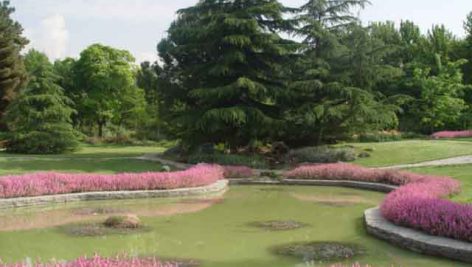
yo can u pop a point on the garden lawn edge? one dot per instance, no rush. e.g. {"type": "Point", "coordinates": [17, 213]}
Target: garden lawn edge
{"type": "Point", "coordinates": [216, 188]}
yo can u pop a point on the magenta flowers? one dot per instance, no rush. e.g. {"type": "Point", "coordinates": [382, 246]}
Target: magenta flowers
{"type": "Point", "coordinates": [418, 203]}
{"type": "Point", "coordinates": [50, 183]}
{"type": "Point", "coordinates": [98, 261]}
{"type": "Point", "coordinates": [452, 134]}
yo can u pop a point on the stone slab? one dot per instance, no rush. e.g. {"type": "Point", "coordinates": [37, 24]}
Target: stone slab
{"type": "Point", "coordinates": [414, 240]}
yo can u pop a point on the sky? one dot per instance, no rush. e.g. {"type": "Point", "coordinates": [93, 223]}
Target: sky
{"type": "Point", "coordinates": [63, 28]}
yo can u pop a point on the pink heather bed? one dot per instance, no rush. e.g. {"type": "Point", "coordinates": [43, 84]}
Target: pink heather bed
{"type": "Point", "coordinates": [52, 183]}
{"type": "Point", "coordinates": [452, 134]}
{"type": "Point", "coordinates": [419, 202]}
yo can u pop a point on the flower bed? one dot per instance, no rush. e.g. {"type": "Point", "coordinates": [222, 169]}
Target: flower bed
{"type": "Point", "coordinates": [237, 172]}
{"type": "Point", "coordinates": [98, 261]}
{"type": "Point", "coordinates": [52, 183]}
{"type": "Point", "coordinates": [418, 203]}
{"type": "Point", "coordinates": [452, 134]}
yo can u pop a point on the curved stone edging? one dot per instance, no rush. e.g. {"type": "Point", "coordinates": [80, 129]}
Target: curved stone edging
{"type": "Point", "coordinates": [338, 183]}
{"type": "Point", "coordinates": [414, 240]}
{"type": "Point", "coordinates": [215, 188]}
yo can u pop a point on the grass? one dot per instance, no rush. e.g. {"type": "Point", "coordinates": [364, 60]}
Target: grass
{"type": "Point", "coordinates": [89, 158]}
{"type": "Point", "coordinates": [462, 173]}
{"type": "Point", "coordinates": [412, 151]}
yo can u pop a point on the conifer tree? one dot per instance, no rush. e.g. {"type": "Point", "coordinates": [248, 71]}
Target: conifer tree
{"type": "Point", "coordinates": [40, 117]}
{"type": "Point", "coordinates": [225, 62]}
{"type": "Point", "coordinates": [12, 72]}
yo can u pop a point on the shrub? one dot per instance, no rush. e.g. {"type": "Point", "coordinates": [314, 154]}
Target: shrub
{"type": "Point", "coordinates": [49, 183]}
{"type": "Point", "coordinates": [98, 261]}
{"type": "Point", "coordinates": [123, 221]}
{"type": "Point", "coordinates": [253, 161]}
{"type": "Point", "coordinates": [321, 154]}
{"type": "Point", "coordinates": [237, 172]}
{"type": "Point", "coordinates": [418, 203]}
{"type": "Point", "coordinates": [452, 134]}
{"type": "Point", "coordinates": [380, 137]}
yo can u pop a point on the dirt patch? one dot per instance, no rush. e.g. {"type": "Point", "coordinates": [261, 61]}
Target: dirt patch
{"type": "Point", "coordinates": [98, 229]}
{"type": "Point", "coordinates": [57, 217]}
{"type": "Point", "coordinates": [277, 225]}
{"type": "Point", "coordinates": [319, 251]}
{"type": "Point", "coordinates": [334, 200]}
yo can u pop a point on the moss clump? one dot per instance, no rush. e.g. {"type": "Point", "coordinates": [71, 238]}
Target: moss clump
{"type": "Point", "coordinates": [121, 225]}
{"type": "Point", "coordinates": [278, 225]}
{"type": "Point", "coordinates": [319, 251]}
{"type": "Point", "coordinates": [128, 221]}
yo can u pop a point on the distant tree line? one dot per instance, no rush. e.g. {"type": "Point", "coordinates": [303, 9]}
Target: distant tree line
{"type": "Point", "coordinates": [242, 73]}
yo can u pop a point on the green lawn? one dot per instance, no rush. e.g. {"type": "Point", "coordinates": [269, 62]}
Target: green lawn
{"type": "Point", "coordinates": [459, 172]}
{"type": "Point", "coordinates": [412, 151]}
{"type": "Point", "coordinates": [100, 158]}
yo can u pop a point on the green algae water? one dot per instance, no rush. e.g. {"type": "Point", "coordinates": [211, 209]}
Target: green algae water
{"type": "Point", "coordinates": [217, 232]}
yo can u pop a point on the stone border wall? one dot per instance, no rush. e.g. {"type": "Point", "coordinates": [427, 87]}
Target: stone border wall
{"type": "Point", "coordinates": [344, 183]}
{"type": "Point", "coordinates": [215, 188]}
{"type": "Point", "coordinates": [414, 240]}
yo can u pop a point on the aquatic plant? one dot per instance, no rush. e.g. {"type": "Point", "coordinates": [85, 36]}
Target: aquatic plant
{"type": "Point", "coordinates": [50, 183]}
{"type": "Point", "coordinates": [452, 134]}
{"type": "Point", "coordinates": [231, 171]}
{"type": "Point", "coordinates": [98, 261]}
{"type": "Point", "coordinates": [418, 203]}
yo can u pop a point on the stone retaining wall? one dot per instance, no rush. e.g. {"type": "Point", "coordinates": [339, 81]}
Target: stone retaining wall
{"type": "Point", "coordinates": [218, 187]}
{"type": "Point", "coordinates": [414, 240]}
{"type": "Point", "coordinates": [345, 183]}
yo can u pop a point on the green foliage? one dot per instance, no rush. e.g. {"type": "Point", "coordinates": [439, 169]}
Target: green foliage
{"type": "Point", "coordinates": [39, 119]}
{"type": "Point", "coordinates": [321, 154]}
{"type": "Point", "coordinates": [224, 61]}
{"type": "Point", "coordinates": [12, 71]}
{"type": "Point", "coordinates": [106, 89]}
{"type": "Point", "coordinates": [253, 161]}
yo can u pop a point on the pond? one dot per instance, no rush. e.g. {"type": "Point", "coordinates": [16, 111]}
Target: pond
{"type": "Point", "coordinates": [242, 228]}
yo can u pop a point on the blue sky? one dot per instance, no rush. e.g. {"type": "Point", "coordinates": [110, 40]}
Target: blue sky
{"type": "Point", "coordinates": [63, 28]}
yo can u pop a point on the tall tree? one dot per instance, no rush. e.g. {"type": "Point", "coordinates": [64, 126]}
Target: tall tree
{"type": "Point", "coordinates": [105, 82]}
{"type": "Point", "coordinates": [225, 61]}
{"type": "Point", "coordinates": [12, 72]}
{"type": "Point", "coordinates": [39, 119]}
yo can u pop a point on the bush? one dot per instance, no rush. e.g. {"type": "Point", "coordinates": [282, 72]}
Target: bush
{"type": "Point", "coordinates": [321, 154]}
{"type": "Point", "coordinates": [123, 221]}
{"type": "Point", "coordinates": [253, 161]}
{"type": "Point", "coordinates": [380, 137]}
{"type": "Point", "coordinates": [237, 172]}
{"type": "Point", "coordinates": [50, 183]}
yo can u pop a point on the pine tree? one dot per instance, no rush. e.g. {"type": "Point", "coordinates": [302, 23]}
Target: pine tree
{"type": "Point", "coordinates": [12, 72]}
{"type": "Point", "coordinates": [40, 117]}
{"type": "Point", "coordinates": [225, 62]}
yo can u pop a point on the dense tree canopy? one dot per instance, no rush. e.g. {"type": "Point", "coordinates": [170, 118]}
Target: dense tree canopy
{"type": "Point", "coordinates": [40, 117]}
{"type": "Point", "coordinates": [241, 73]}
{"type": "Point", "coordinates": [12, 72]}
{"type": "Point", "coordinates": [225, 60]}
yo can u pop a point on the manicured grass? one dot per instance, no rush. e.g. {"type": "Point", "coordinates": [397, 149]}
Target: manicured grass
{"type": "Point", "coordinates": [412, 151]}
{"type": "Point", "coordinates": [99, 158]}
{"type": "Point", "coordinates": [459, 172]}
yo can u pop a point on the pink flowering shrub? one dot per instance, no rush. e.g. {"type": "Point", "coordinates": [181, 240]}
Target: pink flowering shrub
{"type": "Point", "coordinates": [98, 261]}
{"type": "Point", "coordinates": [50, 183]}
{"type": "Point", "coordinates": [237, 172]}
{"type": "Point", "coordinates": [452, 134]}
{"type": "Point", "coordinates": [418, 203]}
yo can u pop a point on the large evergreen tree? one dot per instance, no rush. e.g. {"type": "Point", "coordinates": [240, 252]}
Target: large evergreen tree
{"type": "Point", "coordinates": [40, 117]}
{"type": "Point", "coordinates": [225, 60]}
{"type": "Point", "coordinates": [12, 72]}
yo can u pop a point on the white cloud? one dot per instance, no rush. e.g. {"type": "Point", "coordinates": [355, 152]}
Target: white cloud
{"type": "Point", "coordinates": [51, 37]}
